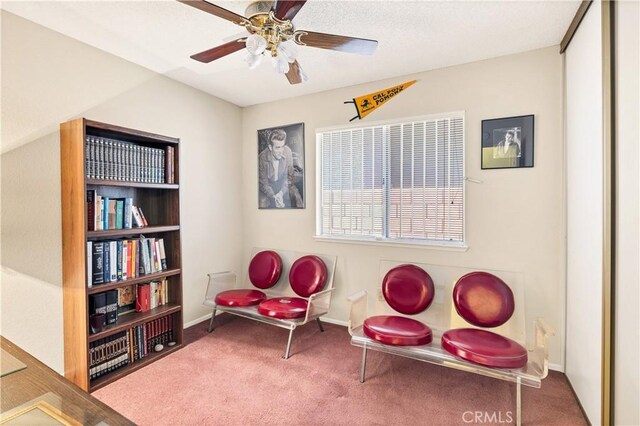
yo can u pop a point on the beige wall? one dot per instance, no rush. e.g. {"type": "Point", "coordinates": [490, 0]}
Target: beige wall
{"type": "Point", "coordinates": [48, 78]}
{"type": "Point", "coordinates": [514, 218]}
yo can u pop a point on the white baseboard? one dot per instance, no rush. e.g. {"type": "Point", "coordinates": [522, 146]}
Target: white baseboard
{"type": "Point", "coordinates": [334, 321]}
{"type": "Point", "coordinates": [556, 367]}
{"type": "Point", "coordinates": [197, 320]}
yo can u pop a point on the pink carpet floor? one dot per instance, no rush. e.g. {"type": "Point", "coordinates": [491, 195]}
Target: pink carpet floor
{"type": "Point", "coordinates": [236, 376]}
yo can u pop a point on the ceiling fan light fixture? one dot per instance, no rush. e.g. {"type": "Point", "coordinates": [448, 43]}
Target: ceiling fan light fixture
{"type": "Point", "coordinates": [288, 51]}
{"type": "Point", "coordinates": [253, 60]}
{"type": "Point", "coordinates": [281, 65]}
{"type": "Point", "coordinates": [256, 44]}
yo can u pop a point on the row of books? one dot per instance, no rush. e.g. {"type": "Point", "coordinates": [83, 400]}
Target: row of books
{"type": "Point", "coordinates": [146, 336]}
{"type": "Point", "coordinates": [111, 159]}
{"type": "Point", "coordinates": [112, 213]}
{"type": "Point", "coordinates": [105, 303]}
{"type": "Point", "coordinates": [138, 297]}
{"type": "Point", "coordinates": [119, 260]}
{"type": "Point", "coordinates": [151, 295]}
{"type": "Point", "coordinates": [109, 354]}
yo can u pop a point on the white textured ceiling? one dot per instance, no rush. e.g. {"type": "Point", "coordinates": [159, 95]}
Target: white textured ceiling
{"type": "Point", "coordinates": [413, 36]}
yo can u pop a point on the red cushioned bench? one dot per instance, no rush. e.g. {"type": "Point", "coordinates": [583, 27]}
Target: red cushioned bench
{"type": "Point", "coordinates": [283, 288]}
{"type": "Point", "coordinates": [453, 317]}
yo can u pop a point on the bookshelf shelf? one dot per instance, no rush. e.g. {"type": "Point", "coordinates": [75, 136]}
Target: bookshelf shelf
{"type": "Point", "coordinates": [104, 182]}
{"type": "Point", "coordinates": [121, 372]}
{"type": "Point", "coordinates": [100, 288]}
{"type": "Point", "coordinates": [111, 233]}
{"type": "Point", "coordinates": [134, 164]}
{"type": "Point", "coordinates": [134, 318]}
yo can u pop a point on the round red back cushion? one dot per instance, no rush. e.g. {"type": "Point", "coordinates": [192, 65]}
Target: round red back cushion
{"type": "Point", "coordinates": [483, 299]}
{"type": "Point", "coordinates": [308, 275]}
{"type": "Point", "coordinates": [408, 289]}
{"type": "Point", "coordinates": [265, 269]}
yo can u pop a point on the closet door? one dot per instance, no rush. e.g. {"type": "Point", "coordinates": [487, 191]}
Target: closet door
{"type": "Point", "coordinates": [585, 206]}
{"type": "Point", "coordinates": [627, 346]}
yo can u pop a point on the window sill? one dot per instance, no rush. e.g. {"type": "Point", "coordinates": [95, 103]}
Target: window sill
{"type": "Point", "coordinates": [429, 245]}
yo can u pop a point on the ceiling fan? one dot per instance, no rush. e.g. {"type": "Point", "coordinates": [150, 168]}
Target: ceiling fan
{"type": "Point", "coordinates": [272, 32]}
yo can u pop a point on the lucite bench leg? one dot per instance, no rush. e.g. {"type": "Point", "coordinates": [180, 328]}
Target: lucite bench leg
{"type": "Point", "coordinates": [286, 353]}
{"type": "Point", "coordinates": [320, 325]}
{"type": "Point", "coordinates": [518, 402]}
{"type": "Point", "coordinates": [213, 316]}
{"type": "Point", "coordinates": [364, 363]}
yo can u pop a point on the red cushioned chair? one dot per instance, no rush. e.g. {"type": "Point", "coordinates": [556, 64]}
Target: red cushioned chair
{"type": "Point", "coordinates": [484, 300]}
{"type": "Point", "coordinates": [265, 269]}
{"type": "Point", "coordinates": [409, 290]}
{"type": "Point", "coordinates": [304, 297]}
{"type": "Point", "coordinates": [307, 277]}
{"type": "Point", "coordinates": [479, 298]}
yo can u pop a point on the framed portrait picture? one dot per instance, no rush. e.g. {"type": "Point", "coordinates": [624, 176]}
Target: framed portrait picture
{"type": "Point", "coordinates": [281, 167]}
{"type": "Point", "coordinates": [507, 142]}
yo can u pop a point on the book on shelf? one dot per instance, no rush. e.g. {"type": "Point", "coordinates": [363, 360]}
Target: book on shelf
{"type": "Point", "coordinates": [123, 260]}
{"type": "Point", "coordinates": [111, 216]}
{"type": "Point", "coordinates": [106, 261]}
{"type": "Point", "coordinates": [112, 306]}
{"type": "Point", "coordinates": [169, 172]}
{"type": "Point", "coordinates": [113, 262]}
{"type": "Point", "coordinates": [99, 212]}
{"type": "Point", "coordinates": [137, 219]}
{"type": "Point", "coordinates": [128, 259]}
{"type": "Point", "coordinates": [127, 221]}
{"type": "Point", "coordinates": [119, 223]}
{"type": "Point", "coordinates": [91, 209]}
{"type": "Point", "coordinates": [143, 298]}
{"type": "Point", "coordinates": [126, 299]}
{"type": "Point", "coordinates": [142, 216]}
{"type": "Point", "coordinates": [163, 257]}
{"type": "Point", "coordinates": [105, 212]}
{"type": "Point", "coordinates": [98, 304]}
{"type": "Point", "coordinates": [89, 260]}
{"type": "Point", "coordinates": [119, 250]}
{"type": "Point", "coordinates": [97, 260]}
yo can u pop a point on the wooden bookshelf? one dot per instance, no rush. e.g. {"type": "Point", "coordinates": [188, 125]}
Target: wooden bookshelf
{"type": "Point", "coordinates": [159, 196]}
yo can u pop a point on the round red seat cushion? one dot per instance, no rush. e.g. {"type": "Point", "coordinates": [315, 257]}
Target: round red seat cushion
{"type": "Point", "coordinates": [283, 307]}
{"type": "Point", "coordinates": [265, 269]}
{"type": "Point", "coordinates": [397, 331]}
{"type": "Point", "coordinates": [240, 297]}
{"type": "Point", "coordinates": [485, 348]}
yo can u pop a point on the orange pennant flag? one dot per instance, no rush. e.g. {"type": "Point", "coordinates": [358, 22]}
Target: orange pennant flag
{"type": "Point", "coordinates": [367, 103]}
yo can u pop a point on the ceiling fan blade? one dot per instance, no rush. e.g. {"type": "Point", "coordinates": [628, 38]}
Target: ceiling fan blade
{"type": "Point", "coordinates": [217, 11]}
{"type": "Point", "coordinates": [295, 74]}
{"type": "Point", "coordinates": [287, 10]}
{"type": "Point", "coordinates": [346, 44]}
{"type": "Point", "coordinates": [219, 51]}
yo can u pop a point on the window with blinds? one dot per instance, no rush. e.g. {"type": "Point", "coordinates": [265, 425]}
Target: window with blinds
{"type": "Point", "coordinates": [401, 181]}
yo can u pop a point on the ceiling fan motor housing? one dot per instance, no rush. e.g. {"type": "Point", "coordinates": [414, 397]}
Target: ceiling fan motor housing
{"type": "Point", "coordinates": [258, 8]}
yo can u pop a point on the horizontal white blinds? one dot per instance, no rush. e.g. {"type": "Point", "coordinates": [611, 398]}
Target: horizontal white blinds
{"type": "Point", "coordinates": [399, 181]}
{"type": "Point", "coordinates": [352, 182]}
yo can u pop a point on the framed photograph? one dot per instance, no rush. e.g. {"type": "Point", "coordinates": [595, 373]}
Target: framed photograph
{"type": "Point", "coordinates": [507, 142]}
{"type": "Point", "coordinates": [281, 167]}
